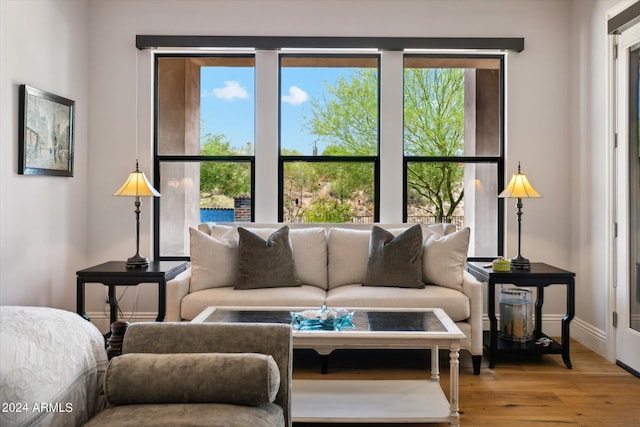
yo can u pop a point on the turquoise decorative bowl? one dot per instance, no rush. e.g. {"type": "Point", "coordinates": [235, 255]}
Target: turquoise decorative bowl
{"type": "Point", "coordinates": [325, 319]}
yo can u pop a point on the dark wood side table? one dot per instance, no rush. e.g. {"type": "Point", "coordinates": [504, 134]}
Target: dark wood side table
{"type": "Point", "coordinates": [116, 273]}
{"type": "Point", "coordinates": [540, 276]}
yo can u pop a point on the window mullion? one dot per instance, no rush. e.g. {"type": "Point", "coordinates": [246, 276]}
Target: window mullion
{"type": "Point", "coordinates": [266, 147]}
{"type": "Point", "coordinates": [391, 131]}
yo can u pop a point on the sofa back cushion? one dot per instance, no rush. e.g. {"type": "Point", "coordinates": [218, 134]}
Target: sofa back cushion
{"type": "Point", "coordinates": [349, 251]}
{"type": "Point", "coordinates": [309, 245]}
{"type": "Point", "coordinates": [236, 378]}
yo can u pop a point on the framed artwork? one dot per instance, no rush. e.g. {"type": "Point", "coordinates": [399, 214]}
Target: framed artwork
{"type": "Point", "coordinates": [45, 142]}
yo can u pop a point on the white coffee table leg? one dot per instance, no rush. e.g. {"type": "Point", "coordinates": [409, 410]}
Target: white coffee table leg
{"type": "Point", "coordinates": [435, 364]}
{"type": "Point", "coordinates": [454, 363]}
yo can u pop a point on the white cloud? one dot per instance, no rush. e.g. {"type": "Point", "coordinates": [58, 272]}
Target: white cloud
{"type": "Point", "coordinates": [230, 91]}
{"type": "Point", "coordinates": [296, 96]}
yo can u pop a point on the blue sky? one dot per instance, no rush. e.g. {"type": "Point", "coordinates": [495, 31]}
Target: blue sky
{"type": "Point", "coordinates": [228, 97]}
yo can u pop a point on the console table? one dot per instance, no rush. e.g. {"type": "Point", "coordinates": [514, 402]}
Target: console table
{"type": "Point", "coordinates": [540, 276]}
{"type": "Point", "coordinates": [116, 273]}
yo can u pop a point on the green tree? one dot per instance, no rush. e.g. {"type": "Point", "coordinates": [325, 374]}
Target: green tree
{"type": "Point", "coordinates": [220, 177]}
{"type": "Point", "coordinates": [346, 119]}
{"type": "Point", "coordinates": [328, 210]}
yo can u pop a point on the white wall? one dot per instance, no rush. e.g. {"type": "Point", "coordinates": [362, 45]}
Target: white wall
{"type": "Point", "coordinates": [43, 219]}
{"type": "Point", "coordinates": [538, 100]}
{"type": "Point", "coordinates": [555, 125]}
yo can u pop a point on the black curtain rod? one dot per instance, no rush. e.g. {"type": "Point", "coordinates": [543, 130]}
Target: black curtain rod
{"type": "Point", "coordinates": [383, 43]}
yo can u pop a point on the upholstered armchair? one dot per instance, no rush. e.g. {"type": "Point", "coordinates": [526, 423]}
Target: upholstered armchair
{"type": "Point", "coordinates": [206, 374]}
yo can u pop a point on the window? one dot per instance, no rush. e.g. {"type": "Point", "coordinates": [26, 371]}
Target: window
{"type": "Point", "coordinates": [329, 108]}
{"type": "Point", "coordinates": [204, 145]}
{"type": "Point", "coordinates": [320, 159]}
{"type": "Point", "coordinates": [452, 144]}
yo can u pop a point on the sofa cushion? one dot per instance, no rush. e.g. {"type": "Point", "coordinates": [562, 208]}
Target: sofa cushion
{"type": "Point", "coordinates": [445, 258]}
{"type": "Point", "coordinates": [348, 256]}
{"type": "Point", "coordinates": [395, 260]}
{"type": "Point", "coordinates": [265, 263]}
{"type": "Point", "coordinates": [239, 378]}
{"type": "Point", "coordinates": [348, 252]}
{"type": "Point", "coordinates": [214, 261]}
{"type": "Point", "coordinates": [303, 296]}
{"type": "Point", "coordinates": [454, 303]}
{"type": "Point", "coordinates": [309, 249]}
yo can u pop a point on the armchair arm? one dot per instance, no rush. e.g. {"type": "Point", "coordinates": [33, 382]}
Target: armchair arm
{"type": "Point", "coordinates": [177, 289]}
{"type": "Point", "coordinates": [177, 337]}
{"type": "Point", "coordinates": [473, 289]}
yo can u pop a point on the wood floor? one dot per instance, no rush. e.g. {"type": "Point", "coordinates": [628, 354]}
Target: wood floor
{"type": "Point", "coordinates": [535, 392]}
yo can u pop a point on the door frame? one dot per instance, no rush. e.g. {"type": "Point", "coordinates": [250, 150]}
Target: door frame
{"type": "Point", "coordinates": [618, 162]}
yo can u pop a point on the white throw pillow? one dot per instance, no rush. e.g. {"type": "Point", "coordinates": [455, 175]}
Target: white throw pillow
{"type": "Point", "coordinates": [214, 262]}
{"type": "Point", "coordinates": [444, 258]}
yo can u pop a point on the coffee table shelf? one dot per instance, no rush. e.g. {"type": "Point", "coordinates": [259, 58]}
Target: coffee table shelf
{"type": "Point", "coordinates": [368, 401]}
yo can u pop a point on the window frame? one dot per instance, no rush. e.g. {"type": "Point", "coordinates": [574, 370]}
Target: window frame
{"type": "Point", "coordinates": [158, 158]}
{"type": "Point", "coordinates": [375, 160]}
{"type": "Point", "coordinates": [498, 160]}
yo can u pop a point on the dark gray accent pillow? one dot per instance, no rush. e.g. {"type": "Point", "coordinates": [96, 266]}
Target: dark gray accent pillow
{"type": "Point", "coordinates": [395, 261]}
{"type": "Point", "coordinates": [265, 263]}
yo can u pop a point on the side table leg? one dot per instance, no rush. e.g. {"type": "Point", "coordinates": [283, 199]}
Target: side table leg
{"type": "Point", "coordinates": [566, 321]}
{"type": "Point", "coordinates": [454, 364]}
{"type": "Point", "coordinates": [162, 300]}
{"type": "Point", "coordinates": [113, 304]}
{"type": "Point", "coordinates": [80, 298]}
{"type": "Point", "coordinates": [493, 324]}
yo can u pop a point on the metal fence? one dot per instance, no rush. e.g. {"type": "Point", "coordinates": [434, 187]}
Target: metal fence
{"type": "Point", "coordinates": [457, 221]}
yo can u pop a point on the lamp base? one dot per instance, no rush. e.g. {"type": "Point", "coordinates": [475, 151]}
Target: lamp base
{"type": "Point", "coordinates": [520, 263]}
{"type": "Point", "coordinates": [137, 261]}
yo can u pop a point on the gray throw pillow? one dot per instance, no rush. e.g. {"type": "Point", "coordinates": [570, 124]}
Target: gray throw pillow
{"type": "Point", "coordinates": [395, 261]}
{"type": "Point", "coordinates": [265, 263]}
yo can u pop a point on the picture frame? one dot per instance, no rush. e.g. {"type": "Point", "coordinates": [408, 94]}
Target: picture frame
{"type": "Point", "coordinates": [45, 140]}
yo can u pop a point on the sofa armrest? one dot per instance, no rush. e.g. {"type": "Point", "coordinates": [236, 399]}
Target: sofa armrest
{"type": "Point", "coordinates": [177, 288]}
{"type": "Point", "coordinates": [472, 288]}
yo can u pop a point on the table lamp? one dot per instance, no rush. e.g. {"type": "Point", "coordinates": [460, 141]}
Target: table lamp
{"type": "Point", "coordinates": [519, 188]}
{"type": "Point", "coordinates": [137, 186]}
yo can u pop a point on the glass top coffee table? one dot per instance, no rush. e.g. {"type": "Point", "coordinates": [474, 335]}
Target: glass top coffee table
{"type": "Point", "coordinates": [362, 401]}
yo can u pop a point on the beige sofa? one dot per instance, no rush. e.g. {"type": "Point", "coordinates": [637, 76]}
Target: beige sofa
{"type": "Point", "coordinates": [331, 262]}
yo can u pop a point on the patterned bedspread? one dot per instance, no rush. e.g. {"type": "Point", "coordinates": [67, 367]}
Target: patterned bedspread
{"type": "Point", "coordinates": [51, 367]}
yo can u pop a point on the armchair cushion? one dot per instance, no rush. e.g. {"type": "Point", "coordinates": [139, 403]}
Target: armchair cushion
{"type": "Point", "coordinates": [237, 378]}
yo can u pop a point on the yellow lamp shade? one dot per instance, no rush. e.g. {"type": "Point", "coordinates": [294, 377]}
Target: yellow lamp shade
{"type": "Point", "coordinates": [519, 187]}
{"type": "Point", "coordinates": [137, 185]}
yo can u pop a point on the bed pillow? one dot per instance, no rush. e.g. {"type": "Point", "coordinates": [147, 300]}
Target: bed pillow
{"type": "Point", "coordinates": [214, 262]}
{"type": "Point", "coordinates": [395, 260]}
{"type": "Point", "coordinates": [265, 263]}
{"type": "Point", "coordinates": [444, 258]}
{"type": "Point", "coordinates": [237, 378]}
